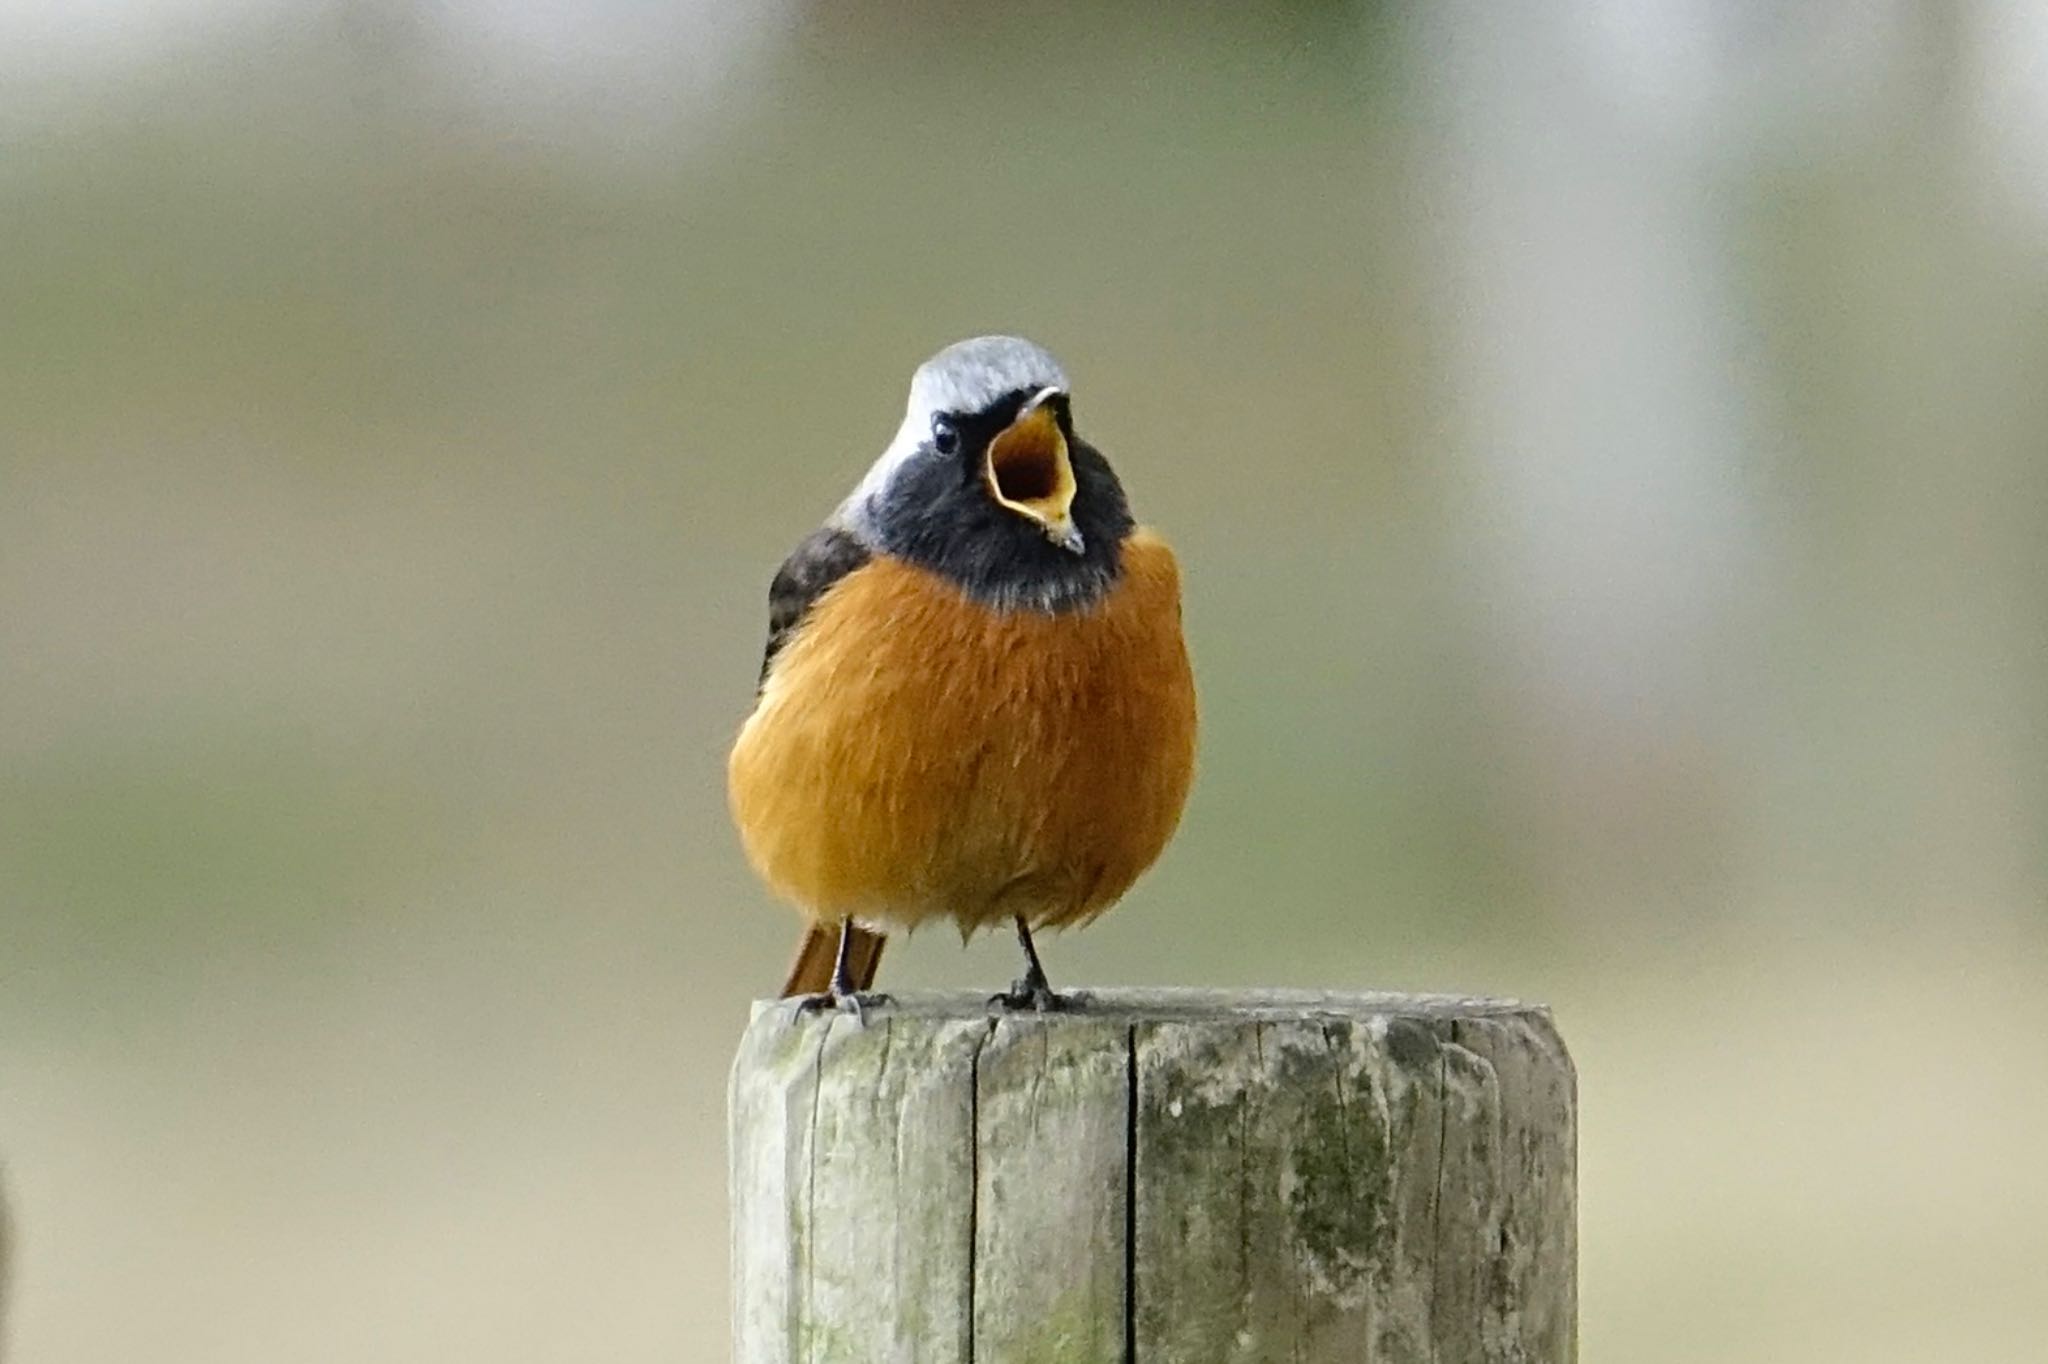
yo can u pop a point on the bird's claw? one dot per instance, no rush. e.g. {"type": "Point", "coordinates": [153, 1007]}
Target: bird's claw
{"type": "Point", "coordinates": [854, 1002]}
{"type": "Point", "coordinates": [1036, 996]}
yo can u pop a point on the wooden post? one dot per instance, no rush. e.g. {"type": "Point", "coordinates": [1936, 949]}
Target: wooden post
{"type": "Point", "coordinates": [1158, 1177]}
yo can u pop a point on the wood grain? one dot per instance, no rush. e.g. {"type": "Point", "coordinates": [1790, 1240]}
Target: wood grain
{"type": "Point", "coordinates": [1160, 1176]}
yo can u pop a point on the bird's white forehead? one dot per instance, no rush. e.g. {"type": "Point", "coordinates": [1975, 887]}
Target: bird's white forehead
{"type": "Point", "coordinates": [969, 375]}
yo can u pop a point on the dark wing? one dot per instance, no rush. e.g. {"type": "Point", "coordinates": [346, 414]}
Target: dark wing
{"type": "Point", "coordinates": [825, 556]}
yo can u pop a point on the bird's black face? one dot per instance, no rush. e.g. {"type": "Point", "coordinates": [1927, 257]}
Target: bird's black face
{"type": "Point", "coordinates": [1026, 465]}
{"type": "Point", "coordinates": [1009, 504]}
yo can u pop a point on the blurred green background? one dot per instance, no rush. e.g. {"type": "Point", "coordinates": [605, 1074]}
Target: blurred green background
{"type": "Point", "coordinates": [1605, 444]}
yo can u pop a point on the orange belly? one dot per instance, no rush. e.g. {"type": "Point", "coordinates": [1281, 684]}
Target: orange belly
{"type": "Point", "coordinates": [916, 754]}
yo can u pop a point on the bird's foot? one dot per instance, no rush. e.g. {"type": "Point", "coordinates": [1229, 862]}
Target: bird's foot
{"type": "Point", "coordinates": [1036, 996]}
{"type": "Point", "coordinates": [1032, 990]}
{"type": "Point", "coordinates": [854, 1002]}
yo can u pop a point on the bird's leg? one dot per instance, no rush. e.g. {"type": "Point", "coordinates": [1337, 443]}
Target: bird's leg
{"type": "Point", "coordinates": [1033, 991]}
{"type": "Point", "coordinates": [842, 965]}
{"type": "Point", "coordinates": [844, 995]}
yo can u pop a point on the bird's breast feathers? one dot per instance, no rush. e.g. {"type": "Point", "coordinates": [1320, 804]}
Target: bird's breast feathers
{"type": "Point", "coordinates": [915, 752]}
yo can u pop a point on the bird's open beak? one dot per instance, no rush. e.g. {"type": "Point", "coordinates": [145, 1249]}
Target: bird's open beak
{"type": "Point", "coordinates": [1029, 471]}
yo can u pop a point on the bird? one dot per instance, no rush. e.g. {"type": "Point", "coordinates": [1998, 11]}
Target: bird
{"type": "Point", "coordinates": [975, 703]}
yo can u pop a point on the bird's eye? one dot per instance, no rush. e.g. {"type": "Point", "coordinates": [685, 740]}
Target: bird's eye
{"type": "Point", "coordinates": [945, 435]}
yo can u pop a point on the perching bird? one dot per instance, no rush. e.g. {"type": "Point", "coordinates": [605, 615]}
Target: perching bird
{"type": "Point", "coordinates": [976, 703]}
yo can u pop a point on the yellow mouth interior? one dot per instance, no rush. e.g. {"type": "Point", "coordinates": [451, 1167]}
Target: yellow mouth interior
{"type": "Point", "coordinates": [1028, 467]}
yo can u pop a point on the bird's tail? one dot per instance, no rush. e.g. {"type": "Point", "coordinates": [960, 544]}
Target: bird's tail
{"type": "Point", "coordinates": [811, 974]}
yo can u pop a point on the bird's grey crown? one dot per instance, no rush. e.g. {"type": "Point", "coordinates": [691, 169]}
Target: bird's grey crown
{"type": "Point", "coordinates": [969, 375]}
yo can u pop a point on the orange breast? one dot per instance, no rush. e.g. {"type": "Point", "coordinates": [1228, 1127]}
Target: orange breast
{"type": "Point", "coordinates": [916, 754]}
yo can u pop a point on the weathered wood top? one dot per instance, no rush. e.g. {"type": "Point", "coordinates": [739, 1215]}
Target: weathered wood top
{"type": "Point", "coordinates": [1153, 1176]}
{"type": "Point", "coordinates": [1169, 1004]}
